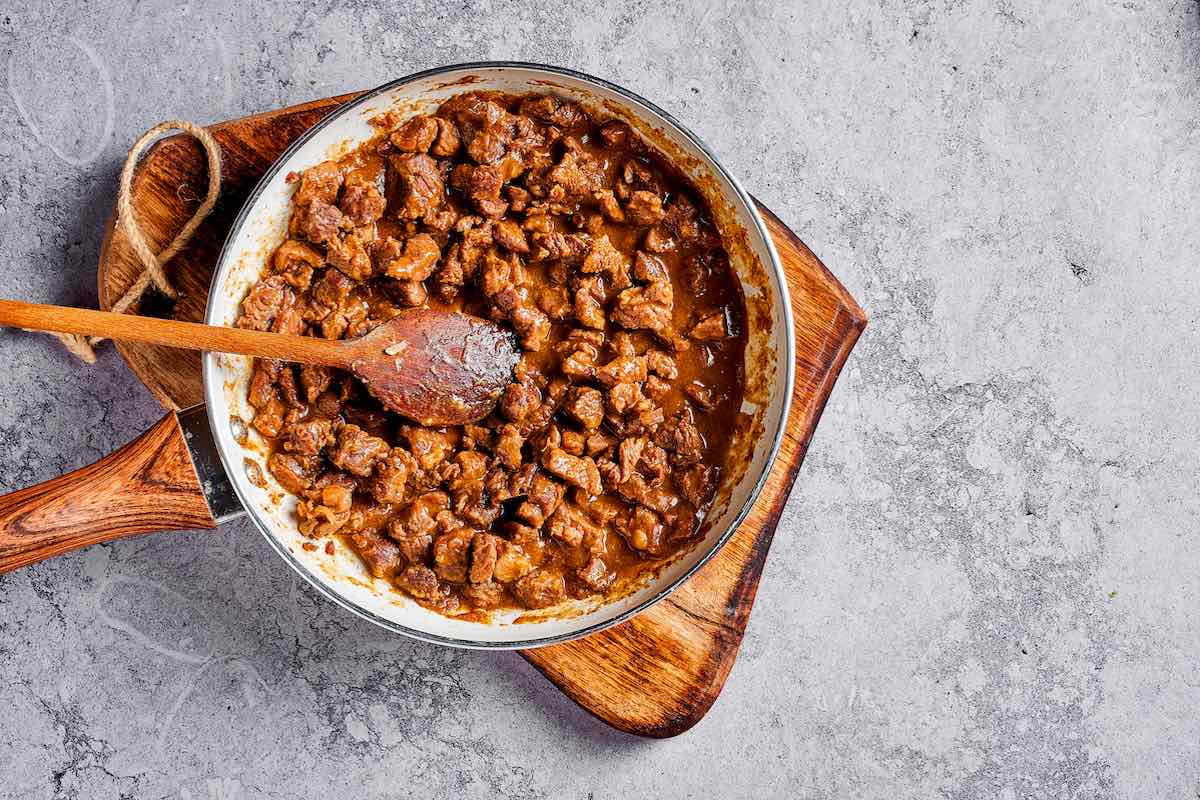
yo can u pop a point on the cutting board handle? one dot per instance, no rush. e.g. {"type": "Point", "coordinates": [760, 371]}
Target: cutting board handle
{"type": "Point", "coordinates": [149, 484]}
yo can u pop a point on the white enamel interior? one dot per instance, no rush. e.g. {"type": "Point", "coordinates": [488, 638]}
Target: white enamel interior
{"type": "Point", "coordinates": [262, 226]}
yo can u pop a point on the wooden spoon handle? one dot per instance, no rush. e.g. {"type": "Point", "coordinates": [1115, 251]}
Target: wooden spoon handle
{"type": "Point", "coordinates": [149, 484]}
{"type": "Point", "coordinates": [189, 335]}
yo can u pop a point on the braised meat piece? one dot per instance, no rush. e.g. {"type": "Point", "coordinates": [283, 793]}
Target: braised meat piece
{"type": "Point", "coordinates": [604, 453]}
{"type": "Point", "coordinates": [357, 451]}
{"type": "Point", "coordinates": [362, 202]}
{"type": "Point", "coordinates": [266, 300]}
{"type": "Point", "coordinates": [308, 437]}
{"type": "Point", "coordinates": [540, 589]}
{"type": "Point", "coordinates": [644, 208]}
{"type": "Point", "coordinates": [710, 328]}
{"type": "Point", "coordinates": [381, 554]}
{"type": "Point", "coordinates": [421, 188]}
{"type": "Point", "coordinates": [415, 136]}
{"type": "Point", "coordinates": [416, 262]}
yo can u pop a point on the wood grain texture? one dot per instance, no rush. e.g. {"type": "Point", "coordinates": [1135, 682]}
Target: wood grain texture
{"type": "Point", "coordinates": [148, 485]}
{"type": "Point", "coordinates": [168, 186]}
{"type": "Point", "coordinates": [188, 335]}
{"type": "Point", "coordinates": [659, 673]}
{"type": "Point", "coordinates": [655, 675]}
{"type": "Point", "coordinates": [433, 366]}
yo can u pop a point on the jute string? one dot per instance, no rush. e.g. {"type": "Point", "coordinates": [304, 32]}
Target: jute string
{"type": "Point", "coordinates": [152, 263]}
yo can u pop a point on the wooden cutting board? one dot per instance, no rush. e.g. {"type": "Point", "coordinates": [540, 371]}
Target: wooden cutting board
{"type": "Point", "coordinates": [654, 675]}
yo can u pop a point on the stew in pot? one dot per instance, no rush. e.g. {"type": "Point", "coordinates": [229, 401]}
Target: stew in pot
{"type": "Point", "coordinates": [604, 453]}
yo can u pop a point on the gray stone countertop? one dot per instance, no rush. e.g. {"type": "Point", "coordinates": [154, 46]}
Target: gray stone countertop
{"type": "Point", "coordinates": [986, 582]}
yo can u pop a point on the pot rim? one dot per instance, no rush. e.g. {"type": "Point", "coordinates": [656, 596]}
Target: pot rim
{"type": "Point", "coordinates": [211, 383]}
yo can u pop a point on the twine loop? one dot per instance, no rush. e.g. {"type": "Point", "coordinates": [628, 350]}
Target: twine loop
{"type": "Point", "coordinates": [152, 263]}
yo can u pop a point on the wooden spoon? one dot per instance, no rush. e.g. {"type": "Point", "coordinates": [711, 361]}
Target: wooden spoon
{"type": "Point", "coordinates": [436, 367]}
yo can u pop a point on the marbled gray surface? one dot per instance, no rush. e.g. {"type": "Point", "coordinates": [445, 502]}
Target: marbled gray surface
{"type": "Point", "coordinates": [986, 583]}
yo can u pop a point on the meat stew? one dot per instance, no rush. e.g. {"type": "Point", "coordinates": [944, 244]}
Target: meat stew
{"type": "Point", "coordinates": [604, 453]}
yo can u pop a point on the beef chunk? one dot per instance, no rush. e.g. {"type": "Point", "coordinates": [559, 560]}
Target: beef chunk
{"type": "Point", "coordinates": [649, 307]}
{"type": "Point", "coordinates": [595, 574]}
{"type": "Point", "coordinates": [589, 303]}
{"type": "Point", "coordinates": [330, 292]}
{"type": "Point", "coordinates": [555, 301]}
{"type": "Point", "coordinates": [295, 261]}
{"type": "Point", "coordinates": [266, 300]}
{"type": "Point", "coordinates": [420, 582]}
{"type": "Point", "coordinates": [540, 589]}
{"type": "Point", "coordinates": [320, 182]}
{"type": "Point", "coordinates": [294, 472]}
{"type": "Point", "coordinates": [683, 219]}
{"type": "Point", "coordinates": [567, 248]}
{"type": "Point", "coordinates": [263, 389]}
{"type": "Point", "coordinates": [447, 142]}
{"type": "Point", "coordinates": [615, 133]}
{"type": "Point", "coordinates": [415, 136]}
{"type": "Point", "coordinates": [308, 438]}
{"type": "Point", "coordinates": [649, 268]}
{"type": "Point", "coordinates": [512, 562]}
{"type": "Point", "coordinates": [388, 484]}
{"type": "Point", "coordinates": [519, 399]}
{"type": "Point", "coordinates": [362, 203]}
{"type": "Point", "coordinates": [550, 110]}
{"type": "Point", "coordinates": [696, 484]}
{"type": "Point", "coordinates": [605, 259]}
{"type": "Point", "coordinates": [571, 525]}
{"type": "Point", "coordinates": [483, 189]}
{"type": "Point", "coordinates": [416, 263]}
{"type": "Point", "coordinates": [687, 442]}
{"type": "Point", "coordinates": [576, 174]}
{"type": "Point", "coordinates": [420, 517]}
{"type": "Point", "coordinates": [450, 554]}
{"type": "Point", "coordinates": [543, 498]}
{"type": "Point", "coordinates": [710, 328]}
{"type": "Point", "coordinates": [701, 395]}
{"type": "Point", "coordinates": [609, 206]}
{"type": "Point", "coordinates": [587, 406]}
{"type": "Point", "coordinates": [510, 236]}
{"type": "Point", "coordinates": [349, 254]}
{"type": "Point", "coordinates": [575, 470]}
{"type": "Point", "coordinates": [318, 222]}
{"type": "Point", "coordinates": [326, 512]}
{"type": "Point", "coordinates": [644, 208]}
{"type": "Point", "coordinates": [598, 443]}
{"type": "Point", "coordinates": [623, 369]}
{"type": "Point", "coordinates": [409, 293]}
{"type": "Point", "coordinates": [421, 187]}
{"type": "Point", "coordinates": [358, 451]}
{"type": "Point", "coordinates": [531, 325]}
{"type": "Point", "coordinates": [314, 380]}
{"type": "Point", "coordinates": [624, 397]}
{"type": "Point", "coordinates": [630, 452]}
{"type": "Point", "coordinates": [484, 595]}
{"type": "Point", "coordinates": [637, 490]}
{"type": "Point", "coordinates": [484, 551]}
{"type": "Point", "coordinates": [268, 420]}
{"type": "Point", "coordinates": [430, 446]}
{"type": "Point", "coordinates": [508, 446]}
{"type": "Point", "coordinates": [653, 464]}
{"type": "Point", "coordinates": [381, 555]}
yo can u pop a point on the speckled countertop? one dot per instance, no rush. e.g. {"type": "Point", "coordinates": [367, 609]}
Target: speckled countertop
{"type": "Point", "coordinates": [986, 581]}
